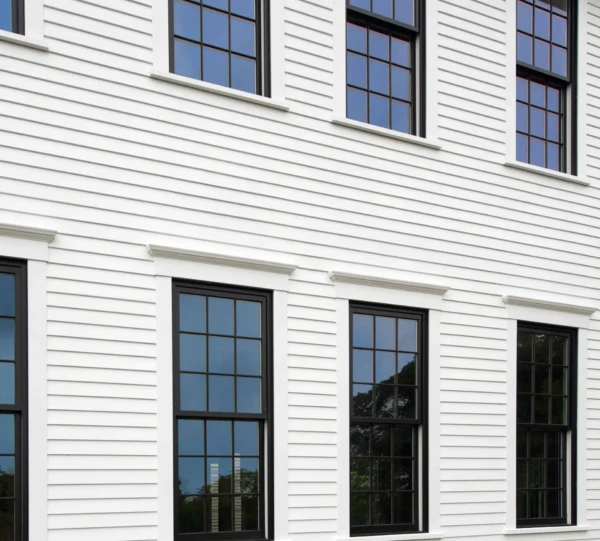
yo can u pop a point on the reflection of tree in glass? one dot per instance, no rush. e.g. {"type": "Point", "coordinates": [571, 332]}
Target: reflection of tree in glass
{"type": "Point", "coordinates": [7, 482]}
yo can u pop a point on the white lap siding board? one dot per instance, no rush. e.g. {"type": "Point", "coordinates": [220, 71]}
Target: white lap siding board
{"type": "Point", "coordinates": [116, 160]}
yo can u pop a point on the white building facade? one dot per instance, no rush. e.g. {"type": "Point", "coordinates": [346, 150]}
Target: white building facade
{"type": "Point", "coordinates": [299, 270]}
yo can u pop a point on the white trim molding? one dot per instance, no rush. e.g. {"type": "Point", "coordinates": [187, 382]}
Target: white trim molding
{"type": "Point", "coordinates": [548, 305]}
{"type": "Point", "coordinates": [547, 172]}
{"type": "Point", "coordinates": [25, 242]}
{"type": "Point", "coordinates": [399, 292]}
{"type": "Point", "coordinates": [237, 270]}
{"type": "Point", "coordinates": [25, 41]}
{"type": "Point", "coordinates": [26, 232]}
{"type": "Point", "coordinates": [549, 530]}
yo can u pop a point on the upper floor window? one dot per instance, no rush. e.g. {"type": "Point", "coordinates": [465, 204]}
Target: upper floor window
{"type": "Point", "coordinates": [545, 83]}
{"type": "Point", "coordinates": [388, 423]}
{"type": "Point", "coordinates": [220, 42]}
{"type": "Point", "coordinates": [13, 400]}
{"type": "Point", "coordinates": [11, 16]}
{"type": "Point", "coordinates": [222, 427]}
{"type": "Point", "coordinates": [384, 59]}
{"type": "Point", "coordinates": [546, 413]}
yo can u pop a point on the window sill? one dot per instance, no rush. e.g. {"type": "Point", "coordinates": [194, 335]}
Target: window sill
{"type": "Point", "coordinates": [386, 133]}
{"type": "Point", "coordinates": [395, 537]}
{"type": "Point", "coordinates": [25, 41]}
{"type": "Point", "coordinates": [547, 529]}
{"type": "Point", "coordinates": [546, 172]}
{"type": "Point", "coordinates": [216, 89]}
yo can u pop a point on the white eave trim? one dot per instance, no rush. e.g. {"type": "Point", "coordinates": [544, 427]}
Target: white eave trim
{"type": "Point", "coordinates": [25, 232]}
{"type": "Point", "coordinates": [389, 283]}
{"type": "Point", "coordinates": [548, 305]}
{"type": "Point", "coordinates": [228, 260]}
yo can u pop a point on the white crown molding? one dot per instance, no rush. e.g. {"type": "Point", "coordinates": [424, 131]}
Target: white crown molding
{"type": "Point", "coordinates": [25, 232]}
{"type": "Point", "coordinates": [513, 300]}
{"type": "Point", "coordinates": [389, 283]}
{"type": "Point", "coordinates": [228, 260]}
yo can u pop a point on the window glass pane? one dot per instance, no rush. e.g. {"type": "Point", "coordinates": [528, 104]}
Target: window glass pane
{"type": "Point", "coordinates": [248, 357]}
{"type": "Point", "coordinates": [379, 45]}
{"type": "Point", "coordinates": [356, 37]}
{"type": "Point", "coordinates": [248, 319]}
{"type": "Point", "coordinates": [7, 339]}
{"type": "Point", "coordinates": [522, 120]}
{"type": "Point", "coordinates": [522, 89]}
{"type": "Point", "coordinates": [541, 344]}
{"type": "Point", "coordinates": [404, 11]}
{"type": "Point", "coordinates": [191, 475]}
{"type": "Point", "coordinates": [537, 122]}
{"type": "Point", "coordinates": [215, 29]}
{"type": "Point", "coordinates": [559, 30]}
{"type": "Point", "coordinates": [383, 7]}
{"type": "Point", "coordinates": [400, 52]}
{"type": "Point", "coordinates": [359, 509]}
{"type": "Point", "coordinates": [403, 475]}
{"type": "Point", "coordinates": [559, 6]}
{"type": "Point", "coordinates": [362, 401]}
{"type": "Point", "coordinates": [385, 366]}
{"type": "Point", "coordinates": [559, 60]}
{"type": "Point", "coordinates": [356, 70]}
{"type": "Point", "coordinates": [401, 116]}
{"type": "Point", "coordinates": [525, 17]}
{"type": "Point", "coordinates": [542, 23]}
{"type": "Point", "coordinates": [553, 127]}
{"type": "Point", "coordinates": [359, 440]}
{"type": "Point", "coordinates": [542, 54]}
{"type": "Point", "coordinates": [406, 403]}
{"type": "Point", "coordinates": [7, 290]}
{"type": "Point", "coordinates": [538, 94]}
{"type": "Point", "coordinates": [246, 438]}
{"type": "Point", "coordinates": [379, 110]}
{"type": "Point", "coordinates": [248, 395]}
{"type": "Point", "coordinates": [542, 379]}
{"type": "Point", "coordinates": [243, 74]}
{"type": "Point", "coordinates": [7, 477]}
{"type": "Point", "coordinates": [401, 83]}
{"type": "Point", "coordinates": [247, 509]}
{"type": "Point", "coordinates": [186, 20]}
{"type": "Point", "coordinates": [220, 4]}
{"type": "Point", "coordinates": [385, 332]}
{"type": "Point", "coordinates": [524, 48]}
{"type": "Point", "coordinates": [191, 514]}
{"type": "Point", "coordinates": [220, 393]}
{"type": "Point", "coordinates": [219, 515]}
{"type": "Point", "coordinates": [242, 36]}
{"type": "Point", "coordinates": [403, 441]}
{"type": "Point", "coordinates": [407, 335]}
{"type": "Point", "coordinates": [559, 350]}
{"type": "Point", "coordinates": [407, 369]}
{"type": "Point", "coordinates": [363, 4]}
{"type": "Point", "coordinates": [220, 311]}
{"type": "Point", "coordinates": [553, 99]}
{"type": "Point", "coordinates": [541, 412]}
{"type": "Point", "coordinates": [187, 59]}
{"type": "Point", "coordinates": [190, 437]}
{"type": "Point", "coordinates": [218, 438]}
{"type": "Point", "coordinates": [362, 332]}
{"type": "Point", "coordinates": [537, 149]}
{"type": "Point", "coordinates": [381, 474]}
{"type": "Point", "coordinates": [243, 7]}
{"type": "Point", "coordinates": [381, 440]}
{"type": "Point", "coordinates": [192, 353]}
{"type": "Point", "coordinates": [379, 75]}
{"type": "Point", "coordinates": [384, 401]}
{"type": "Point", "coordinates": [522, 155]}
{"type": "Point", "coordinates": [5, 24]}
{"type": "Point", "coordinates": [219, 474]}
{"type": "Point", "coordinates": [246, 475]}
{"type": "Point", "coordinates": [403, 508]}
{"type": "Point", "coordinates": [524, 378]}
{"type": "Point", "coordinates": [553, 157]}
{"type": "Point", "coordinates": [357, 104]}
{"type": "Point", "coordinates": [7, 434]}
{"type": "Point", "coordinates": [7, 520]}
{"type": "Point", "coordinates": [192, 313]}
{"type": "Point", "coordinates": [381, 508]}
{"type": "Point", "coordinates": [362, 365]}
{"type": "Point", "coordinates": [7, 383]}
{"type": "Point", "coordinates": [193, 392]}
{"type": "Point", "coordinates": [220, 354]}
{"type": "Point", "coordinates": [524, 410]}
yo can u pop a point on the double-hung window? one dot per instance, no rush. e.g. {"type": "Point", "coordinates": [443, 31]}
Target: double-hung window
{"type": "Point", "coordinates": [13, 400]}
{"type": "Point", "coordinates": [221, 402]}
{"type": "Point", "coordinates": [12, 16]}
{"type": "Point", "coordinates": [388, 422]}
{"type": "Point", "coordinates": [546, 77]}
{"type": "Point", "coordinates": [546, 421]}
{"type": "Point", "coordinates": [385, 81]}
{"type": "Point", "coordinates": [221, 42]}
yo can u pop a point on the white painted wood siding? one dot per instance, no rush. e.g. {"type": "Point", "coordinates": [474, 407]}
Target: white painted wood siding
{"type": "Point", "coordinates": [93, 147]}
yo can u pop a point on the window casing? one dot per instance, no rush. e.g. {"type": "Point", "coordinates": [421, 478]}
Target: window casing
{"type": "Point", "coordinates": [546, 425]}
{"type": "Point", "coordinates": [222, 404]}
{"type": "Point", "coordinates": [546, 83]}
{"type": "Point", "coordinates": [13, 400]}
{"type": "Point", "coordinates": [12, 16]}
{"type": "Point", "coordinates": [224, 42]}
{"type": "Point", "coordinates": [385, 64]}
{"type": "Point", "coordinates": [388, 420]}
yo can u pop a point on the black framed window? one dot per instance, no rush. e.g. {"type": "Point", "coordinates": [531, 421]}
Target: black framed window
{"type": "Point", "coordinates": [546, 76]}
{"type": "Point", "coordinates": [12, 16]}
{"type": "Point", "coordinates": [223, 42]}
{"type": "Point", "coordinates": [385, 64]}
{"type": "Point", "coordinates": [13, 400]}
{"type": "Point", "coordinates": [388, 420]}
{"type": "Point", "coordinates": [222, 356]}
{"type": "Point", "coordinates": [546, 425]}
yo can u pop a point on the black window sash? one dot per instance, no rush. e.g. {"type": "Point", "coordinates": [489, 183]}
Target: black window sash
{"type": "Point", "coordinates": [420, 423]}
{"type": "Point", "coordinates": [264, 419]}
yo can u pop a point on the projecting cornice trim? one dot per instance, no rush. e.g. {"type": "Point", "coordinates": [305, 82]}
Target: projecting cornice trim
{"type": "Point", "coordinates": [513, 300]}
{"type": "Point", "coordinates": [389, 283]}
{"type": "Point", "coordinates": [228, 260]}
{"type": "Point", "coordinates": [29, 233]}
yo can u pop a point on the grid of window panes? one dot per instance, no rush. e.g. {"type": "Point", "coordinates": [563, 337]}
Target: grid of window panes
{"type": "Point", "coordinates": [540, 123]}
{"type": "Point", "coordinates": [218, 41]}
{"type": "Point", "coordinates": [9, 418]}
{"type": "Point", "coordinates": [543, 76]}
{"type": "Point", "coordinates": [543, 424]}
{"type": "Point", "coordinates": [385, 417]}
{"type": "Point", "coordinates": [219, 475]}
{"type": "Point", "coordinates": [379, 63]}
{"type": "Point", "coordinates": [220, 411]}
{"type": "Point", "coordinates": [10, 15]}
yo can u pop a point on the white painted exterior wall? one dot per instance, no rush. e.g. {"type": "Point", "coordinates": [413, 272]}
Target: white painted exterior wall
{"type": "Point", "coordinates": [114, 159]}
